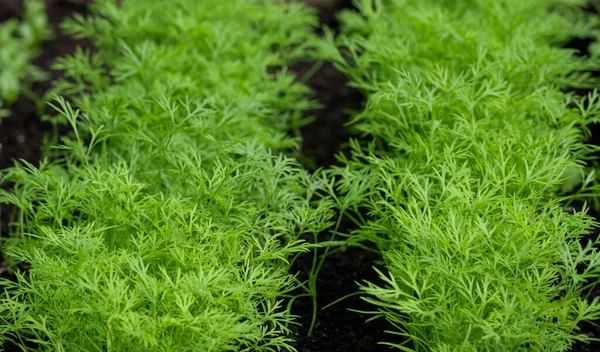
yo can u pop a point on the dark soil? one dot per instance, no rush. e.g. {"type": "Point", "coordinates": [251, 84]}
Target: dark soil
{"type": "Point", "coordinates": [337, 328]}
{"type": "Point", "coordinates": [22, 134]}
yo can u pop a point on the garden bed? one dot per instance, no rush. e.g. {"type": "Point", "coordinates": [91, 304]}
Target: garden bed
{"type": "Point", "coordinates": [336, 328]}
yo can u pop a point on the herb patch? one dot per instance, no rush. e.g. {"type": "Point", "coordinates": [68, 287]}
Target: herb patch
{"type": "Point", "coordinates": [472, 143]}
{"type": "Point", "coordinates": [174, 215]}
{"type": "Point", "coordinates": [164, 221]}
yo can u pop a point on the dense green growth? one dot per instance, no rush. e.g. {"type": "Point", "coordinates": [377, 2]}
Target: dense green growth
{"type": "Point", "coordinates": [168, 218]}
{"type": "Point", "coordinates": [19, 45]}
{"type": "Point", "coordinates": [165, 222]}
{"type": "Point", "coordinates": [473, 138]}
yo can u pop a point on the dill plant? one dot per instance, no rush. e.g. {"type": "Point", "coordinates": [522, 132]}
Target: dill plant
{"type": "Point", "coordinates": [19, 45]}
{"type": "Point", "coordinates": [168, 219]}
{"type": "Point", "coordinates": [469, 135]}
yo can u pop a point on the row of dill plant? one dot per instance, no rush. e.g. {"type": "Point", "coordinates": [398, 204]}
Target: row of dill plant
{"type": "Point", "coordinates": [20, 41]}
{"type": "Point", "coordinates": [167, 220]}
{"type": "Point", "coordinates": [471, 146]}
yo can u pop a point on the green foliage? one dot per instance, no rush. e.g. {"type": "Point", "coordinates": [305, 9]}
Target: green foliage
{"type": "Point", "coordinates": [19, 45]}
{"type": "Point", "coordinates": [164, 222]}
{"type": "Point", "coordinates": [473, 137]}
